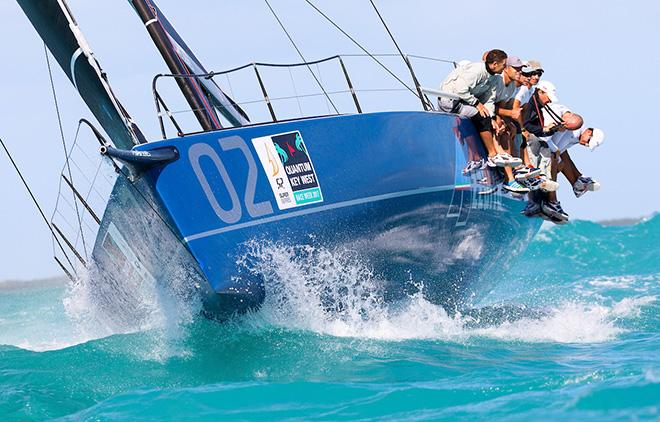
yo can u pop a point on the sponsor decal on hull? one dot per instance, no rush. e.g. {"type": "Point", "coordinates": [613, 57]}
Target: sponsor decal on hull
{"type": "Point", "coordinates": [289, 168]}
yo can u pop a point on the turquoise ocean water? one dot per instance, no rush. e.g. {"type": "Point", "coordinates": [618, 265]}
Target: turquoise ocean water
{"type": "Point", "coordinates": [571, 332]}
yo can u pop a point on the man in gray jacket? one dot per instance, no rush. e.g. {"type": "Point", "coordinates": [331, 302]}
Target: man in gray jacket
{"type": "Point", "coordinates": [476, 86]}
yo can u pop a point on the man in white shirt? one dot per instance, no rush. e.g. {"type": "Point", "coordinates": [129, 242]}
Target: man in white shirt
{"type": "Point", "coordinates": [536, 132]}
{"type": "Point", "coordinates": [553, 116]}
{"type": "Point", "coordinates": [587, 136]}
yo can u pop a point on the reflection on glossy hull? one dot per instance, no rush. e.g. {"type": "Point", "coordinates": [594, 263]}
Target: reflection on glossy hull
{"type": "Point", "coordinates": [391, 197]}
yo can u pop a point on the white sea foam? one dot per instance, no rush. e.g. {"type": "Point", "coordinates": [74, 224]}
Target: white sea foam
{"type": "Point", "coordinates": [570, 322]}
{"type": "Point", "coordinates": [542, 235]}
{"type": "Point", "coordinates": [83, 312]}
{"type": "Point", "coordinates": [621, 282]}
{"type": "Point", "coordinates": [160, 308]}
{"type": "Point", "coordinates": [333, 292]}
{"type": "Point", "coordinates": [326, 291]}
{"type": "Point", "coordinates": [587, 378]}
{"type": "Point", "coordinates": [631, 306]}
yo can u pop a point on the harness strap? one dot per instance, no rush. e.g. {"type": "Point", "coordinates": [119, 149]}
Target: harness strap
{"type": "Point", "coordinates": [538, 111]}
{"type": "Point", "coordinates": [557, 118]}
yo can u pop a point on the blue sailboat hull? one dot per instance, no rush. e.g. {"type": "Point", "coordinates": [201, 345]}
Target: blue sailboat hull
{"type": "Point", "coordinates": [387, 186]}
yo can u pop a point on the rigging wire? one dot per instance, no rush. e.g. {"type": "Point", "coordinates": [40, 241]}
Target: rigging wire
{"type": "Point", "coordinates": [301, 56]}
{"type": "Point", "coordinates": [318, 69]}
{"type": "Point", "coordinates": [121, 171]}
{"type": "Point", "coordinates": [425, 101]}
{"type": "Point", "coordinates": [362, 48]}
{"type": "Point", "coordinates": [295, 91]}
{"type": "Point", "coordinates": [65, 150]}
{"type": "Point", "coordinates": [34, 200]}
{"type": "Point", "coordinates": [126, 175]}
{"type": "Point", "coordinates": [388, 31]}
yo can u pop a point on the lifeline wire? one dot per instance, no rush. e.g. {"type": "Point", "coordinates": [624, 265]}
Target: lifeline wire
{"type": "Point", "coordinates": [301, 55]}
{"type": "Point", "coordinates": [66, 155]}
{"type": "Point", "coordinates": [362, 48]}
{"type": "Point", "coordinates": [34, 200]}
{"type": "Point", "coordinates": [120, 171]}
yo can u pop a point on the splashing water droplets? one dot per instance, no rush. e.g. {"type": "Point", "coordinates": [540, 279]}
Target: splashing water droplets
{"type": "Point", "coordinates": [101, 304]}
{"type": "Point", "coordinates": [333, 292]}
{"type": "Point", "coordinates": [309, 287]}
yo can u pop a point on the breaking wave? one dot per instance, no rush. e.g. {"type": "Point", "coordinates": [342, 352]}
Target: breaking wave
{"type": "Point", "coordinates": [575, 284]}
{"type": "Point", "coordinates": [572, 326]}
{"type": "Point", "coordinates": [331, 292]}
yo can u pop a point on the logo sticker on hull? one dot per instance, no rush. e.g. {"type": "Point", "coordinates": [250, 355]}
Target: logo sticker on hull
{"type": "Point", "coordinates": [289, 168]}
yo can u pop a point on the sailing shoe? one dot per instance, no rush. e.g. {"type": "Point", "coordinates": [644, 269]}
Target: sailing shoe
{"type": "Point", "coordinates": [540, 183]}
{"type": "Point", "coordinates": [504, 160]}
{"type": "Point", "coordinates": [516, 187]}
{"type": "Point", "coordinates": [488, 190]}
{"type": "Point", "coordinates": [559, 221]}
{"type": "Point", "coordinates": [533, 183]}
{"type": "Point", "coordinates": [526, 172]}
{"type": "Point", "coordinates": [553, 220]}
{"type": "Point", "coordinates": [549, 185]}
{"type": "Point", "coordinates": [533, 207]}
{"type": "Point", "coordinates": [553, 210]}
{"type": "Point", "coordinates": [498, 177]}
{"type": "Point", "coordinates": [584, 184]}
{"type": "Point", "coordinates": [474, 166]}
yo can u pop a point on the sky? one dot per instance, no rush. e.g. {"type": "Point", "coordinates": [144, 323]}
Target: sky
{"type": "Point", "coordinates": [601, 55]}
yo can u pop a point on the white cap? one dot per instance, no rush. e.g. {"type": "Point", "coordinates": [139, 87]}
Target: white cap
{"type": "Point", "coordinates": [532, 66]}
{"type": "Point", "coordinates": [597, 138]}
{"type": "Point", "coordinates": [549, 88]}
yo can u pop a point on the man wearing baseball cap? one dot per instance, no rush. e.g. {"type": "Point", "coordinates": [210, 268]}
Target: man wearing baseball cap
{"type": "Point", "coordinates": [589, 137]}
{"type": "Point", "coordinates": [507, 118]}
{"type": "Point", "coordinates": [537, 134]}
{"type": "Point", "coordinates": [550, 90]}
{"type": "Point", "coordinates": [533, 70]}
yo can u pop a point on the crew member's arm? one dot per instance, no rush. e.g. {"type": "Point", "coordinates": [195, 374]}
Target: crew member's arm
{"type": "Point", "coordinates": [503, 111]}
{"type": "Point", "coordinates": [524, 114]}
{"type": "Point", "coordinates": [463, 86]}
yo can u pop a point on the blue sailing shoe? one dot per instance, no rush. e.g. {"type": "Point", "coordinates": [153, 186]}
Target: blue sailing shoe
{"type": "Point", "coordinates": [516, 187]}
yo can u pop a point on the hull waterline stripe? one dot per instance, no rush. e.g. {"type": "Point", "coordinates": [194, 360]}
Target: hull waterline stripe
{"type": "Point", "coordinates": [315, 210]}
